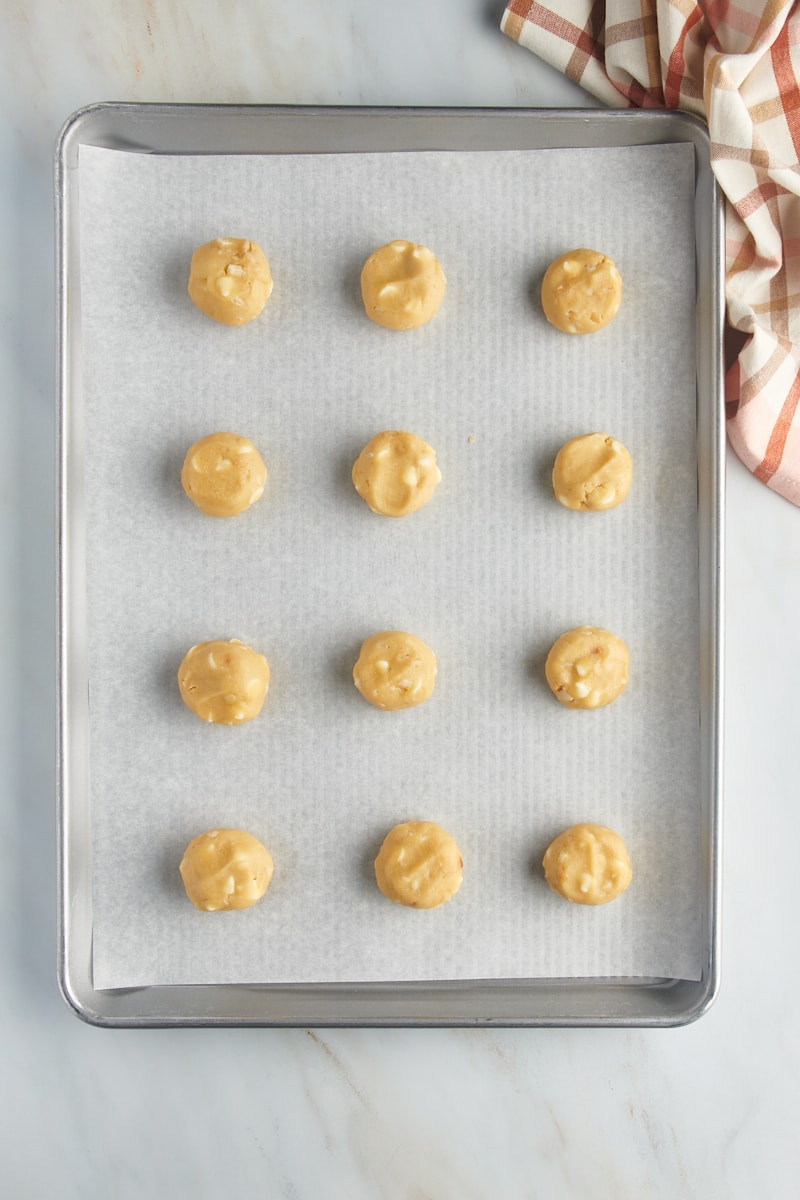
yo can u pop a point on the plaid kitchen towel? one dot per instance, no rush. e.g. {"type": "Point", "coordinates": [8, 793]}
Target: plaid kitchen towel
{"type": "Point", "coordinates": [736, 65]}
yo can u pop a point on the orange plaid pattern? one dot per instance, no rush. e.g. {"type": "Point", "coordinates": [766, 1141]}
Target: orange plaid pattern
{"type": "Point", "coordinates": [736, 65]}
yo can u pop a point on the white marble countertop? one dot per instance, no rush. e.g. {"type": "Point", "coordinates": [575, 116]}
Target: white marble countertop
{"type": "Point", "coordinates": [709, 1110]}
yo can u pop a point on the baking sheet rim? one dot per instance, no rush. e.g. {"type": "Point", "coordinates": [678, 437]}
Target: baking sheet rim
{"type": "Point", "coordinates": [212, 1004]}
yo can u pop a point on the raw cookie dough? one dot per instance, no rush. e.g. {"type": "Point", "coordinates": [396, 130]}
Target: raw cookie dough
{"type": "Point", "coordinates": [224, 683]}
{"type": "Point", "coordinates": [419, 865]}
{"type": "Point", "coordinates": [396, 473]}
{"type": "Point", "coordinates": [587, 667]}
{"type": "Point", "coordinates": [395, 670]}
{"type": "Point", "coordinates": [592, 473]}
{"type": "Point", "coordinates": [223, 474]}
{"type": "Point", "coordinates": [402, 285]}
{"type": "Point", "coordinates": [224, 869]}
{"type": "Point", "coordinates": [587, 864]}
{"type": "Point", "coordinates": [581, 291]}
{"type": "Point", "coordinates": [230, 280]}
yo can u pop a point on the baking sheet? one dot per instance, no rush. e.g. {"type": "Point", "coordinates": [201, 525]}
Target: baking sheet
{"type": "Point", "coordinates": [488, 574]}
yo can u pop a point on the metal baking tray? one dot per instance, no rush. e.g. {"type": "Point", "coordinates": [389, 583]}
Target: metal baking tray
{"type": "Point", "coordinates": [202, 129]}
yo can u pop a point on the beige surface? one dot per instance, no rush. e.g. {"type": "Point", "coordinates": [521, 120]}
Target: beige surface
{"type": "Point", "coordinates": [396, 473]}
{"type": "Point", "coordinates": [402, 285]}
{"type": "Point", "coordinates": [587, 864]}
{"type": "Point", "coordinates": [419, 865]}
{"type": "Point", "coordinates": [395, 670]}
{"type": "Point", "coordinates": [581, 291]}
{"type": "Point", "coordinates": [592, 473]}
{"type": "Point", "coordinates": [225, 869]}
{"type": "Point", "coordinates": [223, 474]}
{"type": "Point", "coordinates": [230, 280]}
{"type": "Point", "coordinates": [587, 667]}
{"type": "Point", "coordinates": [224, 683]}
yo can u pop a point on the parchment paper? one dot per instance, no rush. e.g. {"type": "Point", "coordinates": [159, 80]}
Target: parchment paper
{"type": "Point", "coordinates": [488, 574]}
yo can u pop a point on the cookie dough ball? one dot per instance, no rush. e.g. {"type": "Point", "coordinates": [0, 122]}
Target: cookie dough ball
{"type": "Point", "coordinates": [225, 869]}
{"type": "Point", "coordinates": [592, 473]}
{"type": "Point", "coordinates": [402, 285]}
{"type": "Point", "coordinates": [419, 865]}
{"type": "Point", "coordinates": [230, 280]}
{"type": "Point", "coordinates": [396, 473]}
{"type": "Point", "coordinates": [581, 291]}
{"type": "Point", "coordinates": [587, 864]}
{"type": "Point", "coordinates": [587, 667]}
{"type": "Point", "coordinates": [224, 683]}
{"type": "Point", "coordinates": [223, 474]}
{"type": "Point", "coordinates": [395, 670]}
